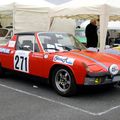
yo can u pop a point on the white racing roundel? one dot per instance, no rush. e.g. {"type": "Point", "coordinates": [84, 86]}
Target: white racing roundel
{"type": "Point", "coordinates": [21, 61]}
{"type": "Point", "coordinates": [113, 69]}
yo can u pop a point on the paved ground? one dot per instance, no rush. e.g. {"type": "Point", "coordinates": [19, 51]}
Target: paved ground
{"type": "Point", "coordinates": [22, 98]}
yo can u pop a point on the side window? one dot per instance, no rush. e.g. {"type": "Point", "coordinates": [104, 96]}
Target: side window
{"type": "Point", "coordinates": [27, 42]}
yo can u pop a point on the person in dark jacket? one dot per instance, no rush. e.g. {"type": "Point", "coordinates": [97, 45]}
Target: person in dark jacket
{"type": "Point", "coordinates": [0, 25]}
{"type": "Point", "coordinates": [91, 34]}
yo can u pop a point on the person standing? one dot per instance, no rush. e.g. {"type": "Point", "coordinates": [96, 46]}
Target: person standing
{"type": "Point", "coordinates": [91, 34]}
{"type": "Point", "coordinates": [0, 25]}
{"type": "Point", "coordinates": [107, 38]}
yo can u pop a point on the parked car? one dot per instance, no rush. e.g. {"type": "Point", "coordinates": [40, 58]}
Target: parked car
{"type": "Point", "coordinates": [80, 35]}
{"type": "Point", "coordinates": [5, 35]}
{"type": "Point", "coordinates": [61, 59]}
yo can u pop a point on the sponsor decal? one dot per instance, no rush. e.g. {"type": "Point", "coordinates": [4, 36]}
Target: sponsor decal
{"type": "Point", "coordinates": [113, 69]}
{"type": "Point", "coordinates": [65, 60]}
{"type": "Point", "coordinates": [4, 50]}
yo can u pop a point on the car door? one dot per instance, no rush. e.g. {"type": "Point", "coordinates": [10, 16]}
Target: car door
{"type": "Point", "coordinates": [28, 57]}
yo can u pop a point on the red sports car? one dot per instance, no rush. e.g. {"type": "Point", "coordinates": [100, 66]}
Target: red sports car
{"type": "Point", "coordinates": [60, 58]}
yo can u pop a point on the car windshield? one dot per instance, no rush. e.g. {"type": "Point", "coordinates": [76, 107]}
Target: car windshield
{"type": "Point", "coordinates": [59, 42]}
{"type": "Point", "coordinates": [3, 32]}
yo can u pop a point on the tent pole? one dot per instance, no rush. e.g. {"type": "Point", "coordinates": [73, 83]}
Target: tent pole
{"type": "Point", "coordinates": [51, 22]}
{"type": "Point", "coordinates": [14, 8]}
{"type": "Point", "coordinates": [104, 18]}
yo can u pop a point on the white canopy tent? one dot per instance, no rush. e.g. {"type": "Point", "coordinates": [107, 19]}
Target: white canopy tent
{"type": "Point", "coordinates": [26, 15]}
{"type": "Point", "coordinates": [87, 9]}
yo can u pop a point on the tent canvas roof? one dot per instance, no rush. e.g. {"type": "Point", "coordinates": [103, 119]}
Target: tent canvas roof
{"type": "Point", "coordinates": [8, 6]}
{"type": "Point", "coordinates": [88, 8]}
{"type": "Point", "coordinates": [27, 3]}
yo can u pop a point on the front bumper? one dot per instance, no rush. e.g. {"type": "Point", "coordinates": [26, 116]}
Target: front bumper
{"type": "Point", "coordinates": [90, 80]}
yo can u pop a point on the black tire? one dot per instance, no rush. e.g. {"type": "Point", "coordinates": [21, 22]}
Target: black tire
{"type": "Point", "coordinates": [1, 71]}
{"type": "Point", "coordinates": [63, 81]}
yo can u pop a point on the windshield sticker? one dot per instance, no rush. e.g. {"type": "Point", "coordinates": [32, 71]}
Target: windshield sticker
{"type": "Point", "coordinates": [64, 60]}
{"type": "Point", "coordinates": [59, 36]}
{"type": "Point", "coordinates": [11, 43]}
{"type": "Point", "coordinates": [4, 50]}
{"type": "Point", "coordinates": [59, 46]}
{"type": "Point", "coordinates": [50, 48]}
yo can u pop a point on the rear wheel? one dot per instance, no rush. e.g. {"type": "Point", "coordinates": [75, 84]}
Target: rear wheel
{"type": "Point", "coordinates": [63, 81]}
{"type": "Point", "coordinates": [1, 71]}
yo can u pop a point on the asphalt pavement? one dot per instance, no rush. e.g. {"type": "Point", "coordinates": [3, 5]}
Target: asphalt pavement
{"type": "Point", "coordinates": [25, 98]}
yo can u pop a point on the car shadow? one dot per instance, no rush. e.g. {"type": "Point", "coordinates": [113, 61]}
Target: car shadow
{"type": "Point", "coordinates": [28, 80]}
{"type": "Point", "coordinates": [95, 90]}
{"type": "Point", "coordinates": [82, 91]}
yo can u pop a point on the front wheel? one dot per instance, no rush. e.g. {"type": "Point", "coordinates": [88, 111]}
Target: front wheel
{"type": "Point", "coordinates": [63, 81]}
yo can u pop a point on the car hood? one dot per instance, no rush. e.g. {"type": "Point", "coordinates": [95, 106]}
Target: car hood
{"type": "Point", "coordinates": [91, 58]}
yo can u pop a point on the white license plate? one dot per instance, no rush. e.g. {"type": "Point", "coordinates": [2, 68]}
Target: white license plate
{"type": "Point", "coordinates": [116, 78]}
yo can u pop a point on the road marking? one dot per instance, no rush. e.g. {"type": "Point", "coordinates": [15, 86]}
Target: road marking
{"type": "Point", "coordinates": [61, 103]}
{"type": "Point", "coordinates": [113, 108]}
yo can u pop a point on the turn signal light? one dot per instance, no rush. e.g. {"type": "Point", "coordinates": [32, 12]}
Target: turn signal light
{"type": "Point", "coordinates": [97, 80]}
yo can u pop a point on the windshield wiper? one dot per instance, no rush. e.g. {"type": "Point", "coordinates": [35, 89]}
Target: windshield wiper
{"type": "Point", "coordinates": [65, 47]}
{"type": "Point", "coordinates": [68, 48]}
{"type": "Point", "coordinates": [77, 48]}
